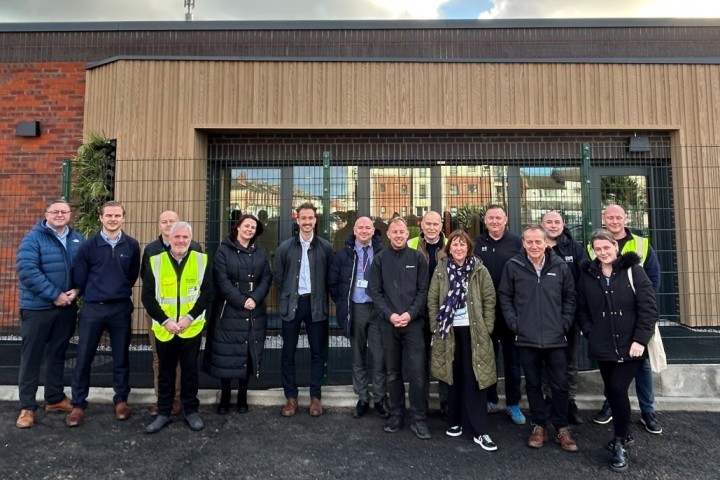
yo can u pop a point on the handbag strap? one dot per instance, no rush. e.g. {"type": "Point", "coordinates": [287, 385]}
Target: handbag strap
{"type": "Point", "coordinates": [630, 277]}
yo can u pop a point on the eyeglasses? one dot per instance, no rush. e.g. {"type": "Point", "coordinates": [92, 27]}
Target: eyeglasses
{"type": "Point", "coordinates": [58, 212]}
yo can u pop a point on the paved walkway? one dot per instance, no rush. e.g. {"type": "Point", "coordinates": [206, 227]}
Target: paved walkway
{"type": "Point", "coordinates": [262, 444]}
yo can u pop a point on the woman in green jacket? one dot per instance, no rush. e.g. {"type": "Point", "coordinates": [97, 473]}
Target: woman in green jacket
{"type": "Point", "coordinates": [461, 303]}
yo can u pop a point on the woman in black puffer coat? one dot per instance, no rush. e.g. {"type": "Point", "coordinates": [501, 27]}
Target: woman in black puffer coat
{"type": "Point", "coordinates": [617, 315]}
{"type": "Point", "coordinates": [236, 334]}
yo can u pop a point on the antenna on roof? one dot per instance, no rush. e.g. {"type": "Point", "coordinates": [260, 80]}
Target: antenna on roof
{"type": "Point", "coordinates": [189, 4]}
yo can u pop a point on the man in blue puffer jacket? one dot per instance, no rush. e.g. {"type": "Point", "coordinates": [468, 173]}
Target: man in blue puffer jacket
{"type": "Point", "coordinates": [48, 309]}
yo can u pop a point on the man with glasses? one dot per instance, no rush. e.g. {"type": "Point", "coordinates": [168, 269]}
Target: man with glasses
{"type": "Point", "coordinates": [48, 309]}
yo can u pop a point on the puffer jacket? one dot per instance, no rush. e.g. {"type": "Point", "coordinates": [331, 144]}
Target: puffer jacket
{"type": "Point", "coordinates": [613, 316]}
{"type": "Point", "coordinates": [342, 278]}
{"type": "Point", "coordinates": [481, 311]}
{"type": "Point", "coordinates": [45, 267]}
{"type": "Point", "coordinates": [233, 334]}
{"type": "Point", "coordinates": [539, 310]}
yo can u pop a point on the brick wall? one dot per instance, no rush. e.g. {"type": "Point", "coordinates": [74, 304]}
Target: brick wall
{"type": "Point", "coordinates": [31, 167]}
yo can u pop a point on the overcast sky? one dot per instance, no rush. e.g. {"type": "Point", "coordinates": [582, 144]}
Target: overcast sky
{"type": "Point", "coordinates": [146, 10]}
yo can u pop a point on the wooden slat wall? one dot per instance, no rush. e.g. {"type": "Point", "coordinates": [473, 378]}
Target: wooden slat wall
{"type": "Point", "coordinates": [157, 109]}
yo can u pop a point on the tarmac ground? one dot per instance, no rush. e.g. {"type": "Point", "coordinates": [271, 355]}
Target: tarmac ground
{"type": "Point", "coordinates": [263, 444]}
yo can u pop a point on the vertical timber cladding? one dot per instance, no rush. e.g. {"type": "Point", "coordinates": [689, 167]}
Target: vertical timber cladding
{"type": "Point", "coordinates": [155, 109]}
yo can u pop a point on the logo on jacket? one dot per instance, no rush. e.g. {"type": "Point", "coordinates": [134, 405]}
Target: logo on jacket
{"type": "Point", "coordinates": [551, 274]}
{"type": "Point", "coordinates": [569, 259]}
{"type": "Point", "coordinates": [409, 266]}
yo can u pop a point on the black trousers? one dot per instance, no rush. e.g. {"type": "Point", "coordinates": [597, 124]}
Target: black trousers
{"type": "Point", "coordinates": [184, 351]}
{"type": "Point", "coordinates": [553, 362]}
{"type": "Point", "coordinates": [466, 401]}
{"type": "Point", "coordinates": [617, 377]}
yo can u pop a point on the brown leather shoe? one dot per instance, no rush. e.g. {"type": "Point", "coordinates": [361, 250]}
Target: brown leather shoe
{"type": "Point", "coordinates": [154, 410]}
{"type": "Point", "coordinates": [75, 418]}
{"type": "Point", "coordinates": [315, 407]}
{"type": "Point", "coordinates": [26, 419]}
{"type": "Point", "coordinates": [538, 437]}
{"type": "Point", "coordinates": [63, 405]}
{"type": "Point", "coordinates": [122, 411]}
{"type": "Point", "coordinates": [177, 406]}
{"type": "Point", "coordinates": [290, 407]}
{"type": "Point", "coordinates": [562, 436]}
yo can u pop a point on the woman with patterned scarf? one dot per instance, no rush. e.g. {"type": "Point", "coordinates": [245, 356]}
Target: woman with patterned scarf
{"type": "Point", "coordinates": [461, 303]}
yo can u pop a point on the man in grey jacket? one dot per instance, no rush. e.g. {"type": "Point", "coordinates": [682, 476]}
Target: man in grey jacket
{"type": "Point", "coordinates": [537, 296]}
{"type": "Point", "coordinates": [300, 271]}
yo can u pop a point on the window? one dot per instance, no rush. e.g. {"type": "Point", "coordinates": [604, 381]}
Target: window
{"type": "Point", "coordinates": [423, 172]}
{"type": "Point", "coordinates": [423, 191]}
{"type": "Point", "coordinates": [382, 188]}
{"type": "Point", "coordinates": [382, 209]}
{"type": "Point", "coordinates": [472, 169]}
{"type": "Point", "coordinates": [453, 189]}
{"type": "Point", "coordinates": [404, 189]}
{"type": "Point", "coordinates": [453, 170]}
{"type": "Point", "coordinates": [472, 188]}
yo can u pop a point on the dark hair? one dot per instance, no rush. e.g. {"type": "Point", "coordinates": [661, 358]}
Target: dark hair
{"type": "Point", "coordinates": [259, 227]}
{"type": "Point", "coordinates": [494, 206]}
{"type": "Point", "coordinates": [462, 235]}
{"type": "Point", "coordinates": [60, 200]}
{"type": "Point", "coordinates": [111, 203]}
{"type": "Point", "coordinates": [304, 206]}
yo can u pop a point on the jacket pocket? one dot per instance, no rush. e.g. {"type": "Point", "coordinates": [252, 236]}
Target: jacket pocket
{"type": "Point", "coordinates": [283, 304]}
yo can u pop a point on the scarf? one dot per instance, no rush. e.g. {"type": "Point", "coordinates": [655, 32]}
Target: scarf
{"type": "Point", "coordinates": [457, 294]}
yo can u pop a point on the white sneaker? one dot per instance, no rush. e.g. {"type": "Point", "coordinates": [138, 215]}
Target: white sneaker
{"type": "Point", "coordinates": [454, 431]}
{"type": "Point", "coordinates": [485, 442]}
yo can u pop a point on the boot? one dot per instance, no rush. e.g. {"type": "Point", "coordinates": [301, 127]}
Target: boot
{"type": "Point", "coordinates": [224, 404]}
{"type": "Point", "coordinates": [619, 461]}
{"type": "Point", "coordinates": [242, 405]}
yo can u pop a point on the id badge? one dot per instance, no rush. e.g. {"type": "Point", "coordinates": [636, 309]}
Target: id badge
{"type": "Point", "coordinates": [361, 283]}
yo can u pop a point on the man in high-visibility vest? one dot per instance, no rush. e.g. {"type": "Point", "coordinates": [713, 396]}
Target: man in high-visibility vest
{"type": "Point", "coordinates": [176, 291]}
{"type": "Point", "coordinates": [614, 219]}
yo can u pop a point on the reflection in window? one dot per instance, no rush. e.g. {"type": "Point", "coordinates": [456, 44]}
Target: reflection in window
{"type": "Point", "coordinates": [453, 189]}
{"type": "Point", "coordinates": [472, 188]}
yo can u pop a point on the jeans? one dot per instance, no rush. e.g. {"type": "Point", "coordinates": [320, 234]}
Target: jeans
{"type": "Point", "coordinates": [317, 333]}
{"type": "Point", "coordinates": [44, 331]}
{"type": "Point", "coordinates": [366, 339]}
{"type": "Point", "coordinates": [94, 319]}
{"type": "Point", "coordinates": [184, 351]}
{"type": "Point", "coordinates": [553, 362]}
{"type": "Point", "coordinates": [405, 352]}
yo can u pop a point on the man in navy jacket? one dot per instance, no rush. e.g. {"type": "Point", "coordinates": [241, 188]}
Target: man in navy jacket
{"type": "Point", "coordinates": [48, 309]}
{"type": "Point", "coordinates": [106, 268]}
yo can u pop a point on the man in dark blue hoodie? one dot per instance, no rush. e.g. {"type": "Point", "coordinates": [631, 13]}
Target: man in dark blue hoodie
{"type": "Point", "coordinates": [106, 268]}
{"type": "Point", "coordinates": [48, 309]}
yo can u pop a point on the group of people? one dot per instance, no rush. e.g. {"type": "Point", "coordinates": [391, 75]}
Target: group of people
{"type": "Point", "coordinates": [428, 305]}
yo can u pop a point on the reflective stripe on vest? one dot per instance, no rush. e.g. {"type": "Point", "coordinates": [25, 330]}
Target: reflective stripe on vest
{"type": "Point", "coordinates": [636, 244]}
{"type": "Point", "coordinates": [169, 292]}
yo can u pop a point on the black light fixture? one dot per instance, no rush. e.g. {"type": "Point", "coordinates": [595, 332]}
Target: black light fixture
{"type": "Point", "coordinates": [639, 144]}
{"type": "Point", "coordinates": [28, 129]}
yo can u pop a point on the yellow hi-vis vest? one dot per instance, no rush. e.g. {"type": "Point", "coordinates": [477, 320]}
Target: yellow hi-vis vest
{"type": "Point", "coordinates": [415, 241]}
{"type": "Point", "coordinates": [177, 298]}
{"type": "Point", "coordinates": [637, 244]}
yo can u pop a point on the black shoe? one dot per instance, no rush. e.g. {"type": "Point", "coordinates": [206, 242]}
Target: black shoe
{"type": "Point", "coordinates": [360, 409]}
{"type": "Point", "coordinates": [604, 416]}
{"type": "Point", "coordinates": [380, 409]}
{"type": "Point", "coordinates": [420, 429]}
{"type": "Point", "coordinates": [619, 461]}
{"type": "Point", "coordinates": [651, 423]}
{"type": "Point", "coordinates": [223, 408]}
{"type": "Point", "coordinates": [157, 424]}
{"type": "Point", "coordinates": [627, 442]}
{"type": "Point", "coordinates": [242, 407]}
{"type": "Point", "coordinates": [393, 424]}
{"type": "Point", "coordinates": [574, 417]}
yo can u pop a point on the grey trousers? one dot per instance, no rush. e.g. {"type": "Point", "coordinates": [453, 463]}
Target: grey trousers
{"type": "Point", "coordinates": [365, 338]}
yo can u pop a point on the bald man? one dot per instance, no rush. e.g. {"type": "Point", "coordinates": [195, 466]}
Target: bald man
{"type": "Point", "coordinates": [166, 221]}
{"type": "Point", "coordinates": [348, 281]}
{"type": "Point", "coordinates": [430, 243]}
{"type": "Point", "coordinates": [615, 221]}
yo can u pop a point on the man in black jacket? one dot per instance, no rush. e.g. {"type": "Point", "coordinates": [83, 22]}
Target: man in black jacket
{"type": "Point", "coordinates": [398, 286]}
{"type": "Point", "coordinates": [537, 295]}
{"type": "Point", "coordinates": [348, 281]}
{"type": "Point", "coordinates": [561, 242]}
{"type": "Point", "coordinates": [166, 222]}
